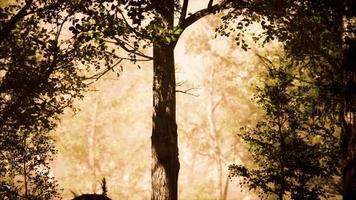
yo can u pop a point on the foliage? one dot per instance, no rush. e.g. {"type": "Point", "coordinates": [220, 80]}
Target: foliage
{"type": "Point", "coordinates": [39, 65]}
{"type": "Point", "coordinates": [294, 147]}
{"type": "Point", "coordinates": [308, 37]}
{"type": "Point", "coordinates": [324, 46]}
{"type": "Point", "coordinates": [39, 78]}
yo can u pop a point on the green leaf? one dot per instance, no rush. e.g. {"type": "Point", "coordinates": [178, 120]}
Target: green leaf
{"type": "Point", "coordinates": [177, 31]}
{"type": "Point", "coordinates": [168, 39]}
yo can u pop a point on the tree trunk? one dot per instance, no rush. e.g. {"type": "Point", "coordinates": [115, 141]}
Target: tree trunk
{"type": "Point", "coordinates": [348, 124]}
{"type": "Point", "coordinates": [226, 188]}
{"type": "Point", "coordinates": [348, 111]}
{"type": "Point", "coordinates": [91, 145]}
{"type": "Point", "coordinates": [348, 131]}
{"type": "Point", "coordinates": [165, 163]}
{"type": "Point", "coordinates": [215, 138]}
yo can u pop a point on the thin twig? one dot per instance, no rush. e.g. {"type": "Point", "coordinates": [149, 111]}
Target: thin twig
{"type": "Point", "coordinates": [97, 76]}
{"type": "Point", "coordinates": [187, 92]}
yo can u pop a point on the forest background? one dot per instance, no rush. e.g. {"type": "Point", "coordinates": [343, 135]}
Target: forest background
{"type": "Point", "coordinates": [106, 135]}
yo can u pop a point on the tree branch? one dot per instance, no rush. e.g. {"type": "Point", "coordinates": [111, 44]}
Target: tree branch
{"type": "Point", "coordinates": [46, 8]}
{"type": "Point", "coordinates": [97, 76]}
{"type": "Point", "coordinates": [184, 11]}
{"type": "Point", "coordinates": [210, 3]}
{"type": "Point", "coordinates": [211, 9]}
{"type": "Point", "coordinates": [187, 92]}
{"type": "Point", "coordinates": [130, 27]}
{"type": "Point", "coordinates": [125, 58]}
{"type": "Point", "coordinates": [123, 44]}
{"type": "Point", "coordinates": [216, 104]}
{"type": "Point", "coordinates": [8, 26]}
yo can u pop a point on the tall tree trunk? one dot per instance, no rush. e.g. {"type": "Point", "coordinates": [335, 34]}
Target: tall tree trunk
{"type": "Point", "coordinates": [348, 111]}
{"type": "Point", "coordinates": [165, 163]}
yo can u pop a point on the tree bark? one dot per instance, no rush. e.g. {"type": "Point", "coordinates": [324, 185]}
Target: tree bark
{"type": "Point", "coordinates": [165, 163]}
{"type": "Point", "coordinates": [348, 139]}
{"type": "Point", "coordinates": [348, 110]}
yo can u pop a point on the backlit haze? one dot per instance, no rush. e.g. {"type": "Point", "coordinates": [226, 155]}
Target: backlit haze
{"type": "Point", "coordinates": [109, 134]}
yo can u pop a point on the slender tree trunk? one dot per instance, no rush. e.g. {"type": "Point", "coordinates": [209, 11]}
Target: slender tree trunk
{"type": "Point", "coordinates": [281, 189]}
{"type": "Point", "coordinates": [91, 145]}
{"type": "Point", "coordinates": [348, 111]}
{"type": "Point", "coordinates": [226, 188]}
{"type": "Point", "coordinates": [215, 138]}
{"type": "Point", "coordinates": [24, 165]}
{"type": "Point", "coordinates": [165, 163]}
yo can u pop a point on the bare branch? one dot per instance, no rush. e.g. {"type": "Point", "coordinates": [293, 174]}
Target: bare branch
{"type": "Point", "coordinates": [187, 92]}
{"type": "Point", "coordinates": [180, 83]}
{"type": "Point", "coordinates": [184, 11]}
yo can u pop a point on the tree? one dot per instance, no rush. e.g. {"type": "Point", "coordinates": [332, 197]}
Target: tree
{"type": "Point", "coordinates": [153, 22]}
{"type": "Point", "coordinates": [126, 24]}
{"type": "Point", "coordinates": [97, 24]}
{"type": "Point", "coordinates": [294, 148]}
{"type": "Point", "coordinates": [26, 115]}
{"type": "Point", "coordinates": [325, 44]}
{"type": "Point", "coordinates": [39, 79]}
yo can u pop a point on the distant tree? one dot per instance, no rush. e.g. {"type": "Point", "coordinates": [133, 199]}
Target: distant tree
{"type": "Point", "coordinates": [226, 97]}
{"type": "Point", "coordinates": [295, 150]}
